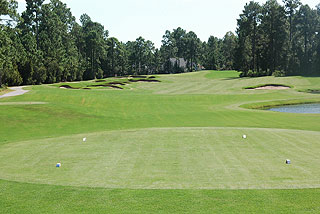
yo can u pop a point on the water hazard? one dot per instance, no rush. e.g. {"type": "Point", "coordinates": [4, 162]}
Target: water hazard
{"type": "Point", "coordinates": [301, 108]}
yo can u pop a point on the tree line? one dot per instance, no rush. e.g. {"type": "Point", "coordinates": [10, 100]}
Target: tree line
{"type": "Point", "coordinates": [45, 44]}
{"type": "Point", "coordinates": [274, 39]}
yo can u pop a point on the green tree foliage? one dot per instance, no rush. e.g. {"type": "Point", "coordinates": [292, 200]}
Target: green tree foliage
{"type": "Point", "coordinates": [168, 50]}
{"type": "Point", "coordinates": [58, 46]}
{"type": "Point", "coordinates": [9, 45]}
{"type": "Point", "coordinates": [192, 47]}
{"type": "Point", "coordinates": [248, 38]}
{"type": "Point", "coordinates": [116, 59]}
{"type": "Point", "coordinates": [211, 50]}
{"type": "Point", "coordinates": [181, 46]}
{"type": "Point", "coordinates": [317, 63]}
{"type": "Point", "coordinates": [8, 8]}
{"type": "Point", "coordinates": [46, 45]}
{"type": "Point", "coordinates": [140, 56]}
{"type": "Point", "coordinates": [9, 57]}
{"type": "Point", "coordinates": [273, 38]}
{"type": "Point", "coordinates": [291, 8]}
{"type": "Point", "coordinates": [228, 47]}
{"type": "Point", "coordinates": [278, 40]}
{"type": "Point", "coordinates": [32, 16]}
{"type": "Point", "coordinates": [94, 47]}
{"type": "Point", "coordinates": [306, 39]}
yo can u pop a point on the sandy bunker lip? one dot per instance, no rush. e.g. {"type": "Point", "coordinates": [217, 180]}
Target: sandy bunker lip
{"type": "Point", "coordinates": [269, 87]}
{"type": "Point", "coordinates": [16, 92]}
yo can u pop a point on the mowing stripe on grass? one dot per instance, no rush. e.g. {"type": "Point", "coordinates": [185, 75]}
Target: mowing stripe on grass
{"type": "Point", "coordinates": [169, 158]}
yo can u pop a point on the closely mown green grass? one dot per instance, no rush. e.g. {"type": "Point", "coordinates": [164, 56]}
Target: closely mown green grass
{"type": "Point", "coordinates": [223, 75]}
{"type": "Point", "coordinates": [172, 158]}
{"type": "Point", "coordinates": [36, 198]}
{"type": "Point", "coordinates": [161, 136]}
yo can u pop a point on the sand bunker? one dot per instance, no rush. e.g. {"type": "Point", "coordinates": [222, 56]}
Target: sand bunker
{"type": "Point", "coordinates": [16, 92]}
{"type": "Point", "coordinates": [269, 87]}
{"type": "Point", "coordinates": [272, 88]}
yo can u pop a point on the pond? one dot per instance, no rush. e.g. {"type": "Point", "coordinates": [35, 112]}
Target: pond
{"type": "Point", "coordinates": [301, 108]}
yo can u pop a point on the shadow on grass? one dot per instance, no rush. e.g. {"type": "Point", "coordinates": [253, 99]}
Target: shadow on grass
{"type": "Point", "coordinates": [232, 78]}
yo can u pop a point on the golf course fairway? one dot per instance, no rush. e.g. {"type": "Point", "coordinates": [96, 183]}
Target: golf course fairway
{"type": "Point", "coordinates": [173, 146]}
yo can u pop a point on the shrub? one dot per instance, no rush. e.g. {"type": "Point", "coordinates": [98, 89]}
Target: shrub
{"type": "Point", "coordinates": [279, 74]}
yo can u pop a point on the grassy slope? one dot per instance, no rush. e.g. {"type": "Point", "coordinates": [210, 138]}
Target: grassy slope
{"type": "Point", "coordinates": [205, 99]}
{"type": "Point", "coordinates": [188, 100]}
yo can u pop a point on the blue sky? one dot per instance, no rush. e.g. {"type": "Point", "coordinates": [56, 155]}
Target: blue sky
{"type": "Point", "coordinates": [129, 19]}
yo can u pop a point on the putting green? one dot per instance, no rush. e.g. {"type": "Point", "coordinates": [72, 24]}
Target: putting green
{"type": "Point", "coordinates": [169, 158]}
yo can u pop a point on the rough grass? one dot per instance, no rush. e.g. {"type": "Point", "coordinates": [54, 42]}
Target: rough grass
{"type": "Point", "coordinates": [33, 137]}
{"type": "Point", "coordinates": [4, 91]}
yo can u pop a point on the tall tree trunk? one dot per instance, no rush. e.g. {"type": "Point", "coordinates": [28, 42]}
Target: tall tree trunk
{"type": "Point", "coordinates": [92, 64]}
{"type": "Point", "coordinates": [254, 47]}
{"type": "Point", "coordinates": [290, 23]}
{"type": "Point", "coordinates": [37, 30]}
{"type": "Point", "coordinates": [112, 60]}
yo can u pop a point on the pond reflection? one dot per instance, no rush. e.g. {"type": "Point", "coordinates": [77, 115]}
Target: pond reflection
{"type": "Point", "coordinates": [302, 108]}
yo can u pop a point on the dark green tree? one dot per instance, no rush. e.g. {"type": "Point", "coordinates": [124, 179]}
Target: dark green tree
{"type": "Point", "coordinates": [211, 53]}
{"type": "Point", "coordinates": [228, 47]}
{"type": "Point", "coordinates": [95, 47]}
{"type": "Point", "coordinates": [275, 38]}
{"type": "Point", "coordinates": [192, 47]}
{"type": "Point", "coordinates": [32, 17]}
{"type": "Point", "coordinates": [307, 26]}
{"type": "Point", "coordinates": [247, 51]}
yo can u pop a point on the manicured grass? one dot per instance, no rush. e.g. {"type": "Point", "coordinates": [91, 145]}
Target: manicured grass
{"type": "Point", "coordinates": [36, 198]}
{"type": "Point", "coordinates": [223, 75]}
{"type": "Point", "coordinates": [161, 136]}
{"type": "Point", "coordinates": [180, 158]}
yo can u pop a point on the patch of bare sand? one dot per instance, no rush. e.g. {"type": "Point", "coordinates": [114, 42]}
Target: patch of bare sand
{"type": "Point", "coordinates": [16, 92]}
{"type": "Point", "coordinates": [272, 88]}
